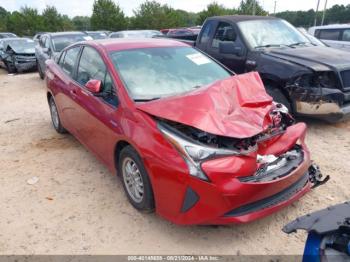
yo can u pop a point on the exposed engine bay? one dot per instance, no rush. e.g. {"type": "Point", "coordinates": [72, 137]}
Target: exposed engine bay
{"type": "Point", "coordinates": [280, 120]}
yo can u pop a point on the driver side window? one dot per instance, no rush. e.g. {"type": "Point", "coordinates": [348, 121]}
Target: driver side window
{"type": "Point", "coordinates": [91, 66]}
{"type": "Point", "coordinates": [224, 33]}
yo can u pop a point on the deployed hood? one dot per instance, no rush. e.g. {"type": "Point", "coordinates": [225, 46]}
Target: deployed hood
{"type": "Point", "coordinates": [236, 107]}
{"type": "Point", "coordinates": [316, 57]}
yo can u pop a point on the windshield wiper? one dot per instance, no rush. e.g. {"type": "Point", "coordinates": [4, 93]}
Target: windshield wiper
{"type": "Point", "coordinates": [298, 43]}
{"type": "Point", "coordinates": [270, 45]}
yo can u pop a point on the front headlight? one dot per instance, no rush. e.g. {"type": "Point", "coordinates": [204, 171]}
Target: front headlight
{"type": "Point", "coordinates": [194, 152]}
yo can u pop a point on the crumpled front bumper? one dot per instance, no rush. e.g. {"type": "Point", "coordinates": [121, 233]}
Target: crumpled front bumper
{"type": "Point", "coordinates": [330, 104]}
{"type": "Point", "coordinates": [26, 66]}
{"type": "Point", "coordinates": [226, 199]}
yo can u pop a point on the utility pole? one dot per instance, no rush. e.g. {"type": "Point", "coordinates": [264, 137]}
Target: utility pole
{"type": "Point", "coordinates": [274, 8]}
{"type": "Point", "coordinates": [254, 6]}
{"type": "Point", "coordinates": [318, 4]}
{"type": "Point", "coordinates": [324, 12]}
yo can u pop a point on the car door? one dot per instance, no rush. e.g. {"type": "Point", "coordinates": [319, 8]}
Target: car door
{"type": "Point", "coordinates": [97, 115]}
{"type": "Point", "coordinates": [226, 32]}
{"type": "Point", "coordinates": [65, 89]}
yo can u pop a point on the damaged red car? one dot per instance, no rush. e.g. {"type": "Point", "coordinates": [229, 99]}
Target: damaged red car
{"type": "Point", "coordinates": [188, 138]}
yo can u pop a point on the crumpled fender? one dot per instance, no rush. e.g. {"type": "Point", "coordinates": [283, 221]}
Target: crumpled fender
{"type": "Point", "coordinates": [237, 107]}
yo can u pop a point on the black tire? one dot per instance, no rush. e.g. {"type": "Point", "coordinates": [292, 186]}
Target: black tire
{"type": "Point", "coordinates": [41, 74]}
{"type": "Point", "coordinates": [146, 203]}
{"type": "Point", "coordinates": [11, 69]}
{"type": "Point", "coordinates": [55, 118]}
{"type": "Point", "coordinates": [278, 96]}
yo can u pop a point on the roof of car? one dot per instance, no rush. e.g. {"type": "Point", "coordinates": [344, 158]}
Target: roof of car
{"type": "Point", "coordinates": [117, 44]}
{"type": "Point", "coordinates": [240, 18]}
{"type": "Point", "coordinates": [15, 38]}
{"type": "Point", "coordinates": [66, 33]}
{"type": "Point", "coordinates": [334, 26]}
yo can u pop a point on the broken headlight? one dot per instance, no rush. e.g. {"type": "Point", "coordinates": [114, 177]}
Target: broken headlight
{"type": "Point", "coordinates": [325, 79]}
{"type": "Point", "coordinates": [194, 152]}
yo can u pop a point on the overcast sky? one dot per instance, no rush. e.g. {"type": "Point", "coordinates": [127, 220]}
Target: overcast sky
{"type": "Point", "coordinates": [84, 7]}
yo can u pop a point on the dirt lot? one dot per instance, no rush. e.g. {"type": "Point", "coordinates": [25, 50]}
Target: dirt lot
{"type": "Point", "coordinates": [78, 207]}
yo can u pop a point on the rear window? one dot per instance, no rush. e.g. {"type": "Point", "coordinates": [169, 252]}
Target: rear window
{"type": "Point", "coordinates": [329, 34]}
{"type": "Point", "coordinates": [62, 41]}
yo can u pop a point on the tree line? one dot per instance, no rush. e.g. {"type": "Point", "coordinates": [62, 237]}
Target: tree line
{"type": "Point", "coordinates": [107, 15]}
{"type": "Point", "coordinates": [337, 14]}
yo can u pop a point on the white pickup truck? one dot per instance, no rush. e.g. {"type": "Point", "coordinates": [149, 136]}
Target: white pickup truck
{"type": "Point", "coordinates": [337, 36]}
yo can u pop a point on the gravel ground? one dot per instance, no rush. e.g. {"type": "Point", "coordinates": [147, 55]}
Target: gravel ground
{"type": "Point", "coordinates": [78, 207]}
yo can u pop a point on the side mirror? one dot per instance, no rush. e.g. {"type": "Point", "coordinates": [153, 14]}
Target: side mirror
{"type": "Point", "coordinates": [94, 86]}
{"type": "Point", "coordinates": [230, 48]}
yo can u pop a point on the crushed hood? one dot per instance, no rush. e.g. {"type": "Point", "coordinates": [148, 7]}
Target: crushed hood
{"type": "Point", "coordinates": [236, 107]}
{"type": "Point", "coordinates": [22, 50]}
{"type": "Point", "coordinates": [314, 57]}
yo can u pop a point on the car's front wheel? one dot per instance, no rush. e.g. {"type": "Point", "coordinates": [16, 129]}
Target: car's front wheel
{"type": "Point", "coordinates": [136, 182]}
{"type": "Point", "coordinates": [55, 118]}
{"type": "Point", "coordinates": [11, 69]}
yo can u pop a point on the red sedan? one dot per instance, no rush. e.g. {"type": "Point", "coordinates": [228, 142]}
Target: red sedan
{"type": "Point", "coordinates": [188, 138]}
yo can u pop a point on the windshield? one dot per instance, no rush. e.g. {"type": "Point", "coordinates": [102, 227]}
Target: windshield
{"type": "Point", "coordinates": [274, 32]}
{"type": "Point", "coordinates": [61, 42]}
{"type": "Point", "coordinates": [21, 45]}
{"type": "Point", "coordinates": [151, 73]}
{"type": "Point", "coordinates": [97, 35]}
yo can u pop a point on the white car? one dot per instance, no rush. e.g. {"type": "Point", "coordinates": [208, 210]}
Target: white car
{"type": "Point", "coordinates": [337, 36]}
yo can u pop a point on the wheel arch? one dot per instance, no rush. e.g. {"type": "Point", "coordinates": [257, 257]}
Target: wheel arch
{"type": "Point", "coordinates": [274, 82]}
{"type": "Point", "coordinates": [117, 149]}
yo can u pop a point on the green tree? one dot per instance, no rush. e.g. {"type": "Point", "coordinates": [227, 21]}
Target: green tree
{"type": "Point", "coordinates": [67, 24]}
{"type": "Point", "coordinates": [214, 9]}
{"type": "Point", "coordinates": [81, 23]}
{"type": "Point", "coordinates": [247, 7]}
{"type": "Point", "coordinates": [15, 22]}
{"type": "Point", "coordinates": [153, 15]}
{"type": "Point", "coordinates": [52, 20]}
{"type": "Point", "coordinates": [31, 22]}
{"type": "Point", "coordinates": [108, 16]}
{"type": "Point", "coordinates": [3, 18]}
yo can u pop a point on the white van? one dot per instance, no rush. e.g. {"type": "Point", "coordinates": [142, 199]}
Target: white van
{"type": "Point", "coordinates": [337, 36]}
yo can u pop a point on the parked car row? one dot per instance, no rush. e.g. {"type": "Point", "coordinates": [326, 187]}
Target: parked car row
{"type": "Point", "coordinates": [17, 54]}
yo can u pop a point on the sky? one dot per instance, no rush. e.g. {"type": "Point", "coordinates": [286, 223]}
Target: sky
{"type": "Point", "coordinates": [84, 7]}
